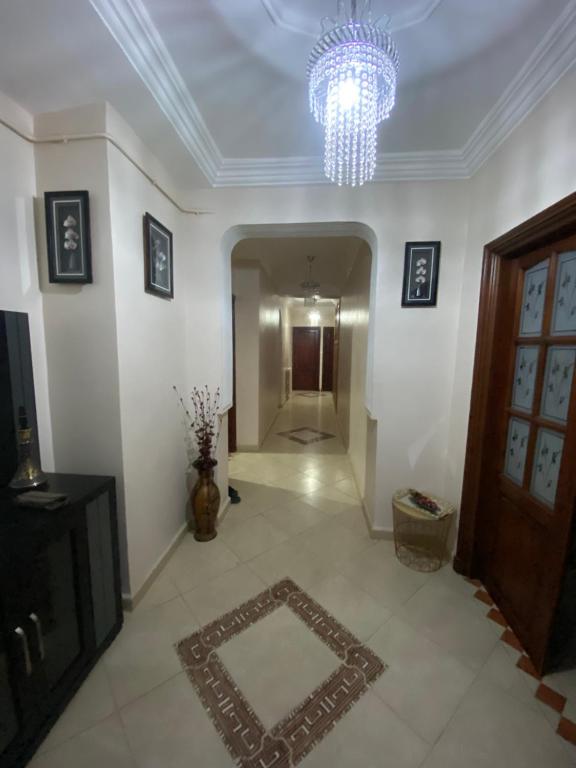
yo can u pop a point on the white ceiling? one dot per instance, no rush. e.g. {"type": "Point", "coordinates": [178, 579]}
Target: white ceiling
{"type": "Point", "coordinates": [285, 261]}
{"type": "Point", "coordinates": [217, 90]}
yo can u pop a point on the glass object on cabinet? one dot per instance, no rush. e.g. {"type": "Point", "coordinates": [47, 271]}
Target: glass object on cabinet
{"type": "Point", "coordinates": [525, 378]}
{"type": "Point", "coordinates": [558, 383]}
{"type": "Point", "coordinates": [564, 313]}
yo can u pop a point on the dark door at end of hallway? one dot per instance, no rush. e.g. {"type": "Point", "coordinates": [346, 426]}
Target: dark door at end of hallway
{"type": "Point", "coordinates": [306, 358]}
{"type": "Point", "coordinates": [327, 359]}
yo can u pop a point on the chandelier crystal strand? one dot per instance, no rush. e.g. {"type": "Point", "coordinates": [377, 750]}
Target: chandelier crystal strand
{"type": "Point", "coordinates": [352, 74]}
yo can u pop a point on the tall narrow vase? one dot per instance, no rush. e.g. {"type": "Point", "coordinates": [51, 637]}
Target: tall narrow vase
{"type": "Point", "coordinates": [204, 501]}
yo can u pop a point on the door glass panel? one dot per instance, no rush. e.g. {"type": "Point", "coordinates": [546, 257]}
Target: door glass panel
{"type": "Point", "coordinates": [564, 313]}
{"type": "Point", "coordinates": [547, 461]}
{"type": "Point", "coordinates": [558, 383]}
{"type": "Point", "coordinates": [525, 378]}
{"type": "Point", "coordinates": [533, 300]}
{"type": "Point", "coordinates": [516, 447]}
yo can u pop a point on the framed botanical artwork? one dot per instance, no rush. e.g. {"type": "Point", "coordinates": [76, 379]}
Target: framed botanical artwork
{"type": "Point", "coordinates": [68, 236]}
{"type": "Point", "coordinates": [421, 264]}
{"type": "Point", "coordinates": [158, 260]}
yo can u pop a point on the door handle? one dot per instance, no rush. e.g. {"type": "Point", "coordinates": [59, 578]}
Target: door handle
{"type": "Point", "coordinates": [26, 650]}
{"type": "Point", "coordinates": [39, 634]}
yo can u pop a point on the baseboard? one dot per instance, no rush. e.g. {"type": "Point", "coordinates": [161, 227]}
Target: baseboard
{"type": "Point", "coordinates": [129, 602]}
{"type": "Point", "coordinates": [381, 533]}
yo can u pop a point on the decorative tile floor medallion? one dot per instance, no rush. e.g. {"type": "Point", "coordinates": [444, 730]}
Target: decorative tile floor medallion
{"type": "Point", "coordinates": [290, 740]}
{"type": "Point", "coordinates": [306, 435]}
{"type": "Point", "coordinates": [311, 394]}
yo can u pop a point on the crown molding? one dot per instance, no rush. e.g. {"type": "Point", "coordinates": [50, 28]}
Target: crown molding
{"type": "Point", "coordinates": [285, 17]}
{"type": "Point", "coordinates": [291, 171]}
{"type": "Point", "coordinates": [130, 25]}
{"type": "Point", "coordinates": [133, 29]}
{"type": "Point", "coordinates": [550, 60]}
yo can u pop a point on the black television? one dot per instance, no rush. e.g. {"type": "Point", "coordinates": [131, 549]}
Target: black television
{"type": "Point", "coordinates": [16, 390]}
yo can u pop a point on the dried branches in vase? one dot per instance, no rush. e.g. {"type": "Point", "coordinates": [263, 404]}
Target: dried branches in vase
{"type": "Point", "coordinates": [203, 422]}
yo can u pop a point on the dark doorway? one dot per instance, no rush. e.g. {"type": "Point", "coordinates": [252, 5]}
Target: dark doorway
{"type": "Point", "coordinates": [517, 529]}
{"type": "Point", "coordinates": [232, 444]}
{"type": "Point", "coordinates": [327, 359]}
{"type": "Point", "coordinates": [306, 359]}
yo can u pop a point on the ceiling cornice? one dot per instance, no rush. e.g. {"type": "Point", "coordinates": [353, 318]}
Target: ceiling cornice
{"type": "Point", "coordinates": [131, 26]}
{"type": "Point", "coordinates": [282, 15]}
{"type": "Point", "coordinates": [550, 60]}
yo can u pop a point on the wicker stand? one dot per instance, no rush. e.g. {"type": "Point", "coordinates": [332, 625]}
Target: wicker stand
{"type": "Point", "coordinates": [420, 537]}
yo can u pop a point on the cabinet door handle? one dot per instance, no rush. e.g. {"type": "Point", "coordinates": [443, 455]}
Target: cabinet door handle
{"type": "Point", "coordinates": [39, 635]}
{"type": "Point", "coordinates": [26, 650]}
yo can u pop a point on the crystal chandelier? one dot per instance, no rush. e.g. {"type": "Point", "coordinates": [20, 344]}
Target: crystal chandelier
{"type": "Point", "coordinates": [352, 73]}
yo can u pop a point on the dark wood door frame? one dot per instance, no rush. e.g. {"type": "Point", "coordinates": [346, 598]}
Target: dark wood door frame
{"type": "Point", "coordinates": [327, 358]}
{"type": "Point", "coordinates": [232, 439]}
{"type": "Point", "coordinates": [474, 535]}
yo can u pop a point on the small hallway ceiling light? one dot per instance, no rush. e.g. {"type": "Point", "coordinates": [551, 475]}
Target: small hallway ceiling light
{"type": "Point", "coordinates": [310, 287]}
{"type": "Point", "coordinates": [352, 73]}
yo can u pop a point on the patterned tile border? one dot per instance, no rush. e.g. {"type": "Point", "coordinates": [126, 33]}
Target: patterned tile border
{"type": "Point", "coordinates": [548, 696]}
{"type": "Point", "coordinates": [288, 742]}
{"type": "Point", "coordinates": [292, 434]}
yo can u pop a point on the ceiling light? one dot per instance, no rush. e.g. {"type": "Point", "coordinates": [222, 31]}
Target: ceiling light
{"type": "Point", "coordinates": [352, 74]}
{"type": "Point", "coordinates": [309, 286]}
{"type": "Point", "coordinates": [314, 318]}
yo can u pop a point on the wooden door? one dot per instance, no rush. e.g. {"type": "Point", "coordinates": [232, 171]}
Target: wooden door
{"type": "Point", "coordinates": [306, 359]}
{"type": "Point", "coordinates": [522, 452]}
{"type": "Point", "coordinates": [327, 358]}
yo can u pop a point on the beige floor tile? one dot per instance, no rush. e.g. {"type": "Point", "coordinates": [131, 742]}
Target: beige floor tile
{"type": "Point", "coordinates": [453, 622]}
{"type": "Point", "coordinates": [378, 572]}
{"type": "Point", "coordinates": [347, 486]}
{"type": "Point", "coordinates": [195, 563]}
{"type": "Point", "coordinates": [500, 669]}
{"type": "Point", "coordinates": [370, 735]}
{"type": "Point", "coordinates": [169, 728]}
{"type": "Point", "coordinates": [160, 591]}
{"type": "Point", "coordinates": [298, 483]}
{"type": "Point", "coordinates": [277, 663]}
{"type": "Point", "coordinates": [222, 594]}
{"type": "Point", "coordinates": [292, 560]}
{"type": "Point", "coordinates": [143, 656]}
{"type": "Point", "coordinates": [491, 729]}
{"type": "Point", "coordinates": [252, 537]}
{"type": "Point", "coordinates": [350, 605]}
{"type": "Point", "coordinates": [334, 541]}
{"type": "Point", "coordinates": [295, 517]}
{"type": "Point", "coordinates": [102, 746]}
{"type": "Point", "coordinates": [330, 500]}
{"type": "Point", "coordinates": [92, 703]}
{"type": "Point", "coordinates": [423, 684]}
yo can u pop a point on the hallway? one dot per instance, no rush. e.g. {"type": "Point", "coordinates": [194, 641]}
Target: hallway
{"type": "Point", "coordinates": [450, 695]}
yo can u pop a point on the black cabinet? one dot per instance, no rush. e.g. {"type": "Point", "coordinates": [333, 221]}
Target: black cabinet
{"type": "Point", "coordinates": [60, 606]}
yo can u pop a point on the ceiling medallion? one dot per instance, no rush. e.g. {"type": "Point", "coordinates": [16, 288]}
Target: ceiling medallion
{"type": "Point", "coordinates": [352, 73]}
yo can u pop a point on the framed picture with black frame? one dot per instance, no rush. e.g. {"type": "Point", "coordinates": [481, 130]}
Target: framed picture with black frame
{"type": "Point", "coordinates": [68, 237]}
{"type": "Point", "coordinates": [158, 259]}
{"type": "Point", "coordinates": [421, 266]}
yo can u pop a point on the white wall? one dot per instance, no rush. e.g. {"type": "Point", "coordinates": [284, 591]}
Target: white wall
{"type": "Point", "coordinates": [258, 353]}
{"type": "Point", "coordinates": [352, 357]}
{"type": "Point", "coordinates": [246, 289]}
{"type": "Point", "coordinates": [533, 169]}
{"type": "Point", "coordinates": [19, 281]}
{"type": "Point", "coordinates": [412, 410]}
{"type": "Point", "coordinates": [270, 355]}
{"type": "Point", "coordinates": [150, 333]}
